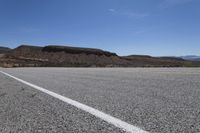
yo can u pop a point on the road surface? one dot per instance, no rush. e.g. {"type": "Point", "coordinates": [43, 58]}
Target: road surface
{"type": "Point", "coordinates": [155, 100]}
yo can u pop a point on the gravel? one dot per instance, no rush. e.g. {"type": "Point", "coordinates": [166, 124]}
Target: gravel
{"type": "Point", "coordinates": [157, 100]}
{"type": "Point", "coordinates": [25, 110]}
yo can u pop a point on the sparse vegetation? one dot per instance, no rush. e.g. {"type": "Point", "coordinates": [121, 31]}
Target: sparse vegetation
{"type": "Point", "coordinates": [62, 56]}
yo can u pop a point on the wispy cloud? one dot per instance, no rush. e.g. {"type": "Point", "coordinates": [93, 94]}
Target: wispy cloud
{"type": "Point", "coordinates": [129, 14]}
{"type": "Point", "coordinates": [172, 3]}
{"type": "Point", "coordinates": [112, 10]}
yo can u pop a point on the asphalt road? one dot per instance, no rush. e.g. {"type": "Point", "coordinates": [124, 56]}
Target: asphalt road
{"type": "Point", "coordinates": [160, 100]}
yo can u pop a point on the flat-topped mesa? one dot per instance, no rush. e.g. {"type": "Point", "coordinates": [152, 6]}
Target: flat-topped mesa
{"type": "Point", "coordinates": [77, 50]}
{"type": "Point", "coordinates": [53, 55]}
{"type": "Point", "coordinates": [67, 49]}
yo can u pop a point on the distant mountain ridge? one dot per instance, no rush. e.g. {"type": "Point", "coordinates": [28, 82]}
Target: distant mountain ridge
{"type": "Point", "coordinates": [191, 57]}
{"type": "Point", "coordinates": [172, 58]}
{"type": "Point", "coordinates": [66, 56]}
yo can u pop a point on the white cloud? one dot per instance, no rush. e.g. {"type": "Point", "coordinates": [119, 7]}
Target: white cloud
{"type": "Point", "coordinates": [130, 14]}
{"type": "Point", "coordinates": [111, 10]}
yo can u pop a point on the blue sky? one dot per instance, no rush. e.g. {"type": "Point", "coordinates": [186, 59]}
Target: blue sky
{"type": "Point", "coordinates": [150, 27]}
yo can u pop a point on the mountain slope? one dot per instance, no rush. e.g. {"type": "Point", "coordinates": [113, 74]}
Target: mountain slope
{"type": "Point", "coordinates": [4, 50]}
{"type": "Point", "coordinates": [64, 56]}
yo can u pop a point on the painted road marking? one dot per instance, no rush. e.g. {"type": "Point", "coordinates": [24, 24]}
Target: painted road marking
{"type": "Point", "coordinates": [106, 117]}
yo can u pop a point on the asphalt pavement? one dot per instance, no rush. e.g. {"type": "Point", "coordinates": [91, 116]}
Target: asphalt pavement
{"type": "Point", "coordinates": [157, 100]}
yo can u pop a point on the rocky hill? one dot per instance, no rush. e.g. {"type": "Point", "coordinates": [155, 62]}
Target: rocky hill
{"type": "Point", "coordinates": [4, 50]}
{"type": "Point", "coordinates": [64, 56]}
{"type": "Point", "coordinates": [61, 56]}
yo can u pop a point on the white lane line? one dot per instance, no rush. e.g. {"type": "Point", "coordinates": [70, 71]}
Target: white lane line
{"type": "Point", "coordinates": [108, 118]}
